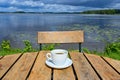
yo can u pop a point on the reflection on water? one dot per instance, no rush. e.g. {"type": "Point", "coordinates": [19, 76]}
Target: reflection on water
{"type": "Point", "coordinates": [98, 28]}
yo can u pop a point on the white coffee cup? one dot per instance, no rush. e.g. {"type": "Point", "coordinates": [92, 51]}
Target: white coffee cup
{"type": "Point", "coordinates": [57, 56]}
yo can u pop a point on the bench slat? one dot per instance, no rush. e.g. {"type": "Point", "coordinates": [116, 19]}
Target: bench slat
{"type": "Point", "coordinates": [114, 63]}
{"type": "Point", "coordinates": [21, 69]}
{"type": "Point", "coordinates": [61, 37]}
{"type": "Point", "coordinates": [83, 69]}
{"type": "Point", "coordinates": [1, 57]}
{"type": "Point", "coordinates": [64, 74]}
{"type": "Point", "coordinates": [105, 71]}
{"type": "Point", "coordinates": [40, 71]}
{"type": "Point", "coordinates": [6, 62]}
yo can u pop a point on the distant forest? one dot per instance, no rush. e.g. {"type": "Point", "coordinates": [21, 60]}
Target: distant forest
{"type": "Point", "coordinates": [109, 11]}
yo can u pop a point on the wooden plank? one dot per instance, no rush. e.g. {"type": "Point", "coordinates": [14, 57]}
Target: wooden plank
{"type": "Point", "coordinates": [83, 69]}
{"type": "Point", "coordinates": [6, 62]}
{"type": "Point", "coordinates": [104, 70]}
{"type": "Point", "coordinates": [21, 69]}
{"type": "Point", "coordinates": [40, 71]}
{"type": "Point", "coordinates": [61, 37]}
{"type": "Point", "coordinates": [64, 74]}
{"type": "Point", "coordinates": [1, 57]}
{"type": "Point", "coordinates": [114, 63]}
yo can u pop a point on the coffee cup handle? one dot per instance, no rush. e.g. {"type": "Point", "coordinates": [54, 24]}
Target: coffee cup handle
{"type": "Point", "coordinates": [48, 56]}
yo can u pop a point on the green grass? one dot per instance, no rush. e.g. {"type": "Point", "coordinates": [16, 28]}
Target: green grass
{"type": "Point", "coordinates": [113, 55]}
{"type": "Point", "coordinates": [5, 48]}
{"type": "Point", "coordinates": [112, 50]}
{"type": "Point", "coordinates": [12, 51]}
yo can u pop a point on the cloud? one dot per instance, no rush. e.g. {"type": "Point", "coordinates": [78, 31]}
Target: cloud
{"type": "Point", "coordinates": [27, 3]}
{"type": "Point", "coordinates": [57, 5]}
{"type": "Point", "coordinates": [10, 9]}
{"type": "Point", "coordinates": [88, 3]}
{"type": "Point", "coordinates": [59, 8]}
{"type": "Point", "coordinates": [116, 6]}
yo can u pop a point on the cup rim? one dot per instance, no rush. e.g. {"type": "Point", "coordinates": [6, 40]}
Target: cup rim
{"type": "Point", "coordinates": [52, 51]}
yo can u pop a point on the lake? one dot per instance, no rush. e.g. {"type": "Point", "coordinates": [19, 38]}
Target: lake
{"type": "Point", "coordinates": [98, 28]}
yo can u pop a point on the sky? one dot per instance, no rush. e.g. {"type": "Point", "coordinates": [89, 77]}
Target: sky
{"type": "Point", "coordinates": [57, 5]}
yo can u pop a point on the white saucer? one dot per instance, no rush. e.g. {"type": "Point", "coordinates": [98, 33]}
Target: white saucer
{"type": "Point", "coordinates": [67, 64]}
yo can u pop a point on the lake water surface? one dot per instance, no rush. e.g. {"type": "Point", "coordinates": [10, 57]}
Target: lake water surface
{"type": "Point", "coordinates": [98, 28]}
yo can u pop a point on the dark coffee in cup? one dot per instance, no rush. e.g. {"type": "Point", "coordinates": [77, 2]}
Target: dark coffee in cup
{"type": "Point", "coordinates": [59, 53]}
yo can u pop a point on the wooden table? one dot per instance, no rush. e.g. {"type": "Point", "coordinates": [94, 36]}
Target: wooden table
{"type": "Point", "coordinates": [31, 66]}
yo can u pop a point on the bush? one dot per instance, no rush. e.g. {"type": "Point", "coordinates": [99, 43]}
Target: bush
{"type": "Point", "coordinates": [86, 50]}
{"type": "Point", "coordinates": [6, 45]}
{"type": "Point", "coordinates": [49, 46]}
{"type": "Point", "coordinates": [113, 47]}
{"type": "Point", "coordinates": [28, 46]}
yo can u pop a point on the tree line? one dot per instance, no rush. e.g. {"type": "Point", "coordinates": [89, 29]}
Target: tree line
{"type": "Point", "coordinates": [109, 11]}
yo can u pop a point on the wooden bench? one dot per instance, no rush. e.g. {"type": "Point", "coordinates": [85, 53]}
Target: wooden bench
{"type": "Point", "coordinates": [61, 37]}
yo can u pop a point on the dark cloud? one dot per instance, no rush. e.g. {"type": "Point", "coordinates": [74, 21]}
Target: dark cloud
{"type": "Point", "coordinates": [87, 3]}
{"type": "Point", "coordinates": [97, 3]}
{"type": "Point", "coordinates": [58, 5]}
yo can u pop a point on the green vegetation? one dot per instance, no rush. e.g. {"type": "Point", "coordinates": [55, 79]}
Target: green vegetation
{"type": "Point", "coordinates": [28, 46]}
{"type": "Point", "coordinates": [108, 11]}
{"type": "Point", "coordinates": [112, 50]}
{"type": "Point", "coordinates": [19, 12]}
{"type": "Point", "coordinates": [5, 45]}
{"type": "Point", "coordinates": [49, 46]}
{"type": "Point", "coordinates": [6, 48]}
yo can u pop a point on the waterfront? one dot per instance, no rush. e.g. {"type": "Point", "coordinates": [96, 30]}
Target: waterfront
{"type": "Point", "coordinates": [98, 28]}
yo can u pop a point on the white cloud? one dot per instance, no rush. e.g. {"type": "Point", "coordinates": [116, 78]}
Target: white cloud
{"type": "Point", "coordinates": [59, 8]}
{"type": "Point", "coordinates": [117, 6]}
{"type": "Point", "coordinates": [11, 9]}
{"type": "Point", "coordinates": [28, 3]}
{"type": "Point", "coordinates": [33, 4]}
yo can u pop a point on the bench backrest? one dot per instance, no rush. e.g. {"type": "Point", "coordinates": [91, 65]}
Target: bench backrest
{"type": "Point", "coordinates": [60, 37]}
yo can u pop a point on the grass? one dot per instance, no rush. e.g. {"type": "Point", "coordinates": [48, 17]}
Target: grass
{"type": "Point", "coordinates": [112, 50]}
{"type": "Point", "coordinates": [113, 55]}
{"type": "Point", "coordinates": [12, 51]}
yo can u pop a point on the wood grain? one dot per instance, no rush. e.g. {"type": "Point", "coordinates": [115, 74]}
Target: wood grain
{"type": "Point", "coordinates": [6, 62]}
{"type": "Point", "coordinates": [61, 37]}
{"type": "Point", "coordinates": [83, 69]}
{"type": "Point", "coordinates": [105, 71]}
{"type": "Point", "coordinates": [114, 63]}
{"type": "Point", "coordinates": [40, 71]}
{"type": "Point", "coordinates": [64, 74]}
{"type": "Point", "coordinates": [21, 69]}
{"type": "Point", "coordinates": [1, 57]}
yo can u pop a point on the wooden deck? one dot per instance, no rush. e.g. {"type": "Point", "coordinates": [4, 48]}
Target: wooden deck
{"type": "Point", "coordinates": [31, 66]}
